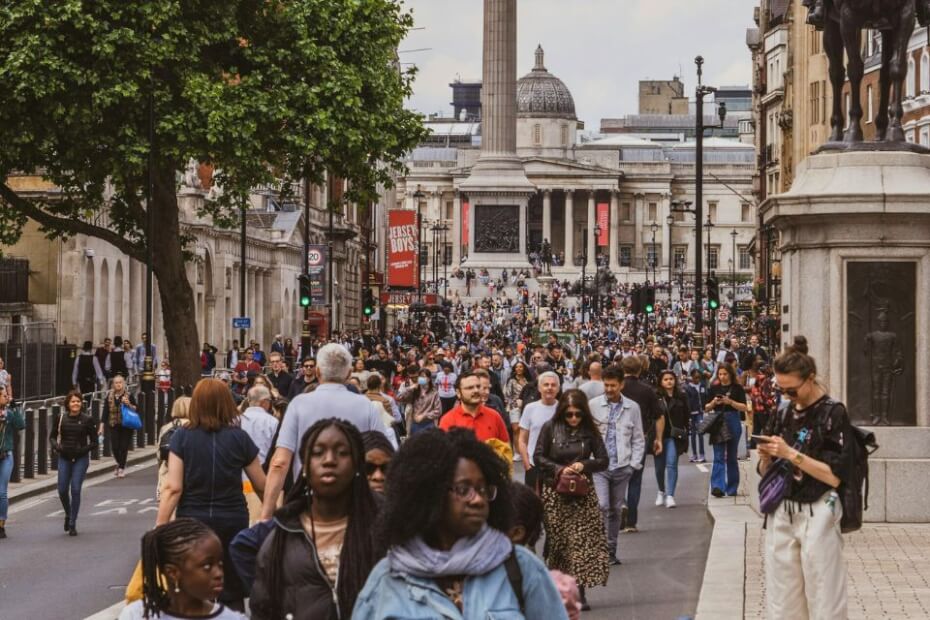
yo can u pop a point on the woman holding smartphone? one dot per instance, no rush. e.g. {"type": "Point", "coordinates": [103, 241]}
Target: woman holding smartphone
{"type": "Point", "coordinates": [804, 566]}
{"type": "Point", "coordinates": [728, 399]}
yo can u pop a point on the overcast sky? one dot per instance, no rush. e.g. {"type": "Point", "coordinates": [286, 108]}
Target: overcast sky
{"type": "Point", "coordinates": [599, 48]}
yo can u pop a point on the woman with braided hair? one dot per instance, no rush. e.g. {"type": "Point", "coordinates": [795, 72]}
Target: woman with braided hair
{"type": "Point", "coordinates": [182, 574]}
{"type": "Point", "coordinates": [315, 561]}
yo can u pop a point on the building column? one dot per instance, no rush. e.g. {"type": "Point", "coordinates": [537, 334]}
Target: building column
{"type": "Point", "coordinates": [592, 240]}
{"type": "Point", "coordinates": [614, 215]}
{"type": "Point", "coordinates": [639, 216]}
{"type": "Point", "coordinates": [665, 209]}
{"type": "Point", "coordinates": [547, 216]}
{"type": "Point", "coordinates": [456, 229]}
{"type": "Point", "coordinates": [569, 228]}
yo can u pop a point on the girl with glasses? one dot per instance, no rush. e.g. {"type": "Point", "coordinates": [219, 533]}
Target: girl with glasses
{"type": "Point", "coordinates": [378, 455]}
{"type": "Point", "coordinates": [576, 539]}
{"type": "Point", "coordinates": [446, 512]}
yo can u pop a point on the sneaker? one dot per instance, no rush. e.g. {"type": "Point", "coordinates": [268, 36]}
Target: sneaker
{"type": "Point", "coordinates": [692, 459]}
{"type": "Point", "coordinates": [615, 561]}
{"type": "Point", "coordinates": [2, 532]}
{"type": "Point", "coordinates": [67, 523]}
{"type": "Point", "coordinates": [670, 501]}
{"type": "Point", "coordinates": [702, 459]}
{"type": "Point", "coordinates": [630, 529]}
{"type": "Point", "coordinates": [516, 458]}
{"type": "Point", "coordinates": [660, 498]}
{"type": "Point", "coordinates": [716, 492]}
{"type": "Point", "coordinates": [72, 531]}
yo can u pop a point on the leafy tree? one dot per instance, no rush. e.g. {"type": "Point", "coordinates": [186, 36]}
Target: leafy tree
{"type": "Point", "coordinates": [267, 91]}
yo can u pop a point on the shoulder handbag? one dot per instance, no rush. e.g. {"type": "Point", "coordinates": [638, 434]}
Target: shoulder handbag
{"type": "Point", "coordinates": [710, 422]}
{"type": "Point", "coordinates": [130, 419]}
{"type": "Point", "coordinates": [674, 431]}
{"type": "Point", "coordinates": [571, 483]}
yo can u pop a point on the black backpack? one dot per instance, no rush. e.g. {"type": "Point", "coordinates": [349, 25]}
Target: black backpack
{"type": "Point", "coordinates": [854, 492]}
{"type": "Point", "coordinates": [164, 442]}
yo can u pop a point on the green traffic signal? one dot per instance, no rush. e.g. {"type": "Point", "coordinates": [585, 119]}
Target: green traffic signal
{"type": "Point", "coordinates": [713, 304]}
{"type": "Point", "coordinates": [304, 301]}
{"type": "Point", "coordinates": [304, 286]}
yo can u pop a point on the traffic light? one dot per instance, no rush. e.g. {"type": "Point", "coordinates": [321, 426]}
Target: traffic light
{"type": "Point", "coordinates": [713, 293]}
{"type": "Point", "coordinates": [650, 300]}
{"type": "Point", "coordinates": [304, 286]}
{"type": "Point", "coordinates": [636, 299]}
{"type": "Point", "coordinates": [368, 303]}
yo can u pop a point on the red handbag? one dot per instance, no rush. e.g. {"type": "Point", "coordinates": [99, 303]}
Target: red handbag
{"type": "Point", "coordinates": [572, 483]}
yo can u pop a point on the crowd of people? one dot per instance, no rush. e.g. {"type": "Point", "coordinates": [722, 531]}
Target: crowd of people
{"type": "Point", "coordinates": [373, 477]}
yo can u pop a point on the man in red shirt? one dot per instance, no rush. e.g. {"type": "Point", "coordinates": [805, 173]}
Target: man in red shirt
{"type": "Point", "coordinates": [471, 413]}
{"type": "Point", "coordinates": [241, 372]}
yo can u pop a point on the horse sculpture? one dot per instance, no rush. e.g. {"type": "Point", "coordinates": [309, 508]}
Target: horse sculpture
{"type": "Point", "coordinates": [842, 22]}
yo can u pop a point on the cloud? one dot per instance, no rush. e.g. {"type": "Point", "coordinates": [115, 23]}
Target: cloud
{"type": "Point", "coordinates": [599, 48]}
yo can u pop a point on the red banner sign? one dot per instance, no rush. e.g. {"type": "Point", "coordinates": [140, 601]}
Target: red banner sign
{"type": "Point", "coordinates": [402, 248]}
{"type": "Point", "coordinates": [603, 220]}
{"type": "Point", "coordinates": [465, 223]}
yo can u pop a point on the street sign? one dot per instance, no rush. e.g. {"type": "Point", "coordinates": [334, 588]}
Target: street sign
{"type": "Point", "coordinates": [242, 322]}
{"type": "Point", "coordinates": [405, 298]}
{"type": "Point", "coordinates": [316, 269]}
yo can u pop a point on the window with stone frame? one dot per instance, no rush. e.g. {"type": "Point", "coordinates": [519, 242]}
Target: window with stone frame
{"type": "Point", "coordinates": [745, 212]}
{"type": "Point", "coordinates": [447, 254]}
{"type": "Point", "coordinates": [712, 211]}
{"type": "Point", "coordinates": [626, 212]}
{"type": "Point", "coordinates": [745, 258]}
{"type": "Point", "coordinates": [680, 256]}
{"type": "Point", "coordinates": [652, 255]}
{"type": "Point", "coordinates": [653, 211]}
{"type": "Point", "coordinates": [229, 278]}
{"type": "Point", "coordinates": [713, 258]}
{"type": "Point", "coordinates": [626, 255]}
{"type": "Point", "coordinates": [449, 210]}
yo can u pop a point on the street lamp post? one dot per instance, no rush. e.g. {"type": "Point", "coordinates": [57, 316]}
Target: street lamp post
{"type": "Point", "coordinates": [652, 256]}
{"type": "Point", "coordinates": [670, 221]}
{"type": "Point", "coordinates": [733, 234]}
{"type": "Point", "coordinates": [700, 92]}
{"type": "Point", "coordinates": [417, 195]}
{"type": "Point", "coordinates": [597, 292]}
{"type": "Point", "coordinates": [584, 264]}
{"type": "Point", "coordinates": [709, 226]}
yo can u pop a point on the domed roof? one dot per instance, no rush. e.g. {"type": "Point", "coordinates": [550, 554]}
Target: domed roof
{"type": "Point", "coordinates": [541, 94]}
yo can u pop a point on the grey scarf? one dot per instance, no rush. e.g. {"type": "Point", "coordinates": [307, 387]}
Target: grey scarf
{"type": "Point", "coordinates": [473, 556]}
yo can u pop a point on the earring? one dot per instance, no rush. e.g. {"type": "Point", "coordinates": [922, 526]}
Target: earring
{"type": "Point", "coordinates": [177, 588]}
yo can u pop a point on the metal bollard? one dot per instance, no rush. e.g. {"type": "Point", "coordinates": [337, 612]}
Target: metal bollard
{"type": "Point", "coordinates": [95, 416]}
{"type": "Point", "coordinates": [29, 451]}
{"type": "Point", "coordinates": [43, 441]}
{"type": "Point", "coordinates": [56, 414]}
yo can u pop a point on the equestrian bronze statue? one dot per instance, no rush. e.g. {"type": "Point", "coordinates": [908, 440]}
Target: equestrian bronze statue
{"type": "Point", "coordinates": [842, 22]}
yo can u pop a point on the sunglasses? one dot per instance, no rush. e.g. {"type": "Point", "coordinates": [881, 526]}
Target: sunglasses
{"type": "Point", "coordinates": [371, 468]}
{"type": "Point", "coordinates": [569, 415]}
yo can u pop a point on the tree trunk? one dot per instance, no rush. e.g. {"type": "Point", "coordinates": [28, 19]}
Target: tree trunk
{"type": "Point", "coordinates": [177, 296]}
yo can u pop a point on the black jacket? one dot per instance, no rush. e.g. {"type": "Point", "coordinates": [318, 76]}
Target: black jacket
{"type": "Point", "coordinates": [644, 396]}
{"type": "Point", "coordinates": [78, 436]}
{"type": "Point", "coordinates": [558, 446]}
{"type": "Point", "coordinates": [676, 410]}
{"type": "Point", "coordinates": [281, 382]}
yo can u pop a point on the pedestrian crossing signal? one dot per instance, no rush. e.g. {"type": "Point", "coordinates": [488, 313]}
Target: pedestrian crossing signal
{"type": "Point", "coordinates": [650, 296]}
{"type": "Point", "coordinates": [713, 293]}
{"type": "Point", "coordinates": [368, 303]}
{"type": "Point", "coordinates": [304, 281]}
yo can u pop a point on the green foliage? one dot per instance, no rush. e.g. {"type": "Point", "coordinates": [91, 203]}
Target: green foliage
{"type": "Point", "coordinates": [267, 91]}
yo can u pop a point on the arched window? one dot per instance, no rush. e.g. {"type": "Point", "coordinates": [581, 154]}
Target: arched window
{"type": "Point", "coordinates": [925, 73]}
{"type": "Point", "coordinates": [911, 78]}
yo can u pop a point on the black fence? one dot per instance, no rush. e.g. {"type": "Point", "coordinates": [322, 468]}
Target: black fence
{"type": "Point", "coordinates": [31, 358]}
{"type": "Point", "coordinates": [31, 452]}
{"type": "Point", "coordinates": [14, 281]}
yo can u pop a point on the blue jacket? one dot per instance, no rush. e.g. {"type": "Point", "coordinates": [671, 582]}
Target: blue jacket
{"type": "Point", "coordinates": [394, 596]}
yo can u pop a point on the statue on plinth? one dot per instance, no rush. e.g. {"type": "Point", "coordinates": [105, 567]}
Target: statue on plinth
{"type": "Point", "coordinates": [545, 255]}
{"type": "Point", "coordinates": [842, 22]}
{"type": "Point", "coordinates": [886, 363]}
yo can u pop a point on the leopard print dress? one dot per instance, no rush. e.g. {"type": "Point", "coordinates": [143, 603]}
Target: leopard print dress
{"type": "Point", "coordinates": [575, 540]}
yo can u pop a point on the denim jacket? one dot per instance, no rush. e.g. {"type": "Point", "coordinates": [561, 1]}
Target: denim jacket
{"type": "Point", "coordinates": [631, 442]}
{"type": "Point", "coordinates": [390, 595]}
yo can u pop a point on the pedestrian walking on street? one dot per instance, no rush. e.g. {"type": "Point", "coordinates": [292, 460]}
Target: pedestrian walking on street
{"type": "Point", "coordinates": [727, 399]}
{"type": "Point", "coordinates": [447, 508]}
{"type": "Point", "coordinates": [182, 574]}
{"type": "Point", "coordinates": [73, 438]}
{"type": "Point", "coordinates": [570, 444]}
{"type": "Point", "coordinates": [653, 426]}
{"type": "Point", "coordinates": [534, 416]}
{"type": "Point", "coordinates": [120, 436]}
{"type": "Point", "coordinates": [205, 468]}
{"type": "Point", "coordinates": [116, 360]}
{"type": "Point", "coordinates": [87, 374]}
{"type": "Point", "coordinates": [674, 438]}
{"type": "Point", "coordinates": [696, 394]}
{"type": "Point", "coordinates": [11, 422]}
{"type": "Point", "coordinates": [6, 379]}
{"type": "Point", "coordinates": [180, 416]}
{"type": "Point", "coordinates": [422, 398]}
{"type": "Point", "coordinates": [323, 542]}
{"type": "Point", "coordinates": [804, 566]}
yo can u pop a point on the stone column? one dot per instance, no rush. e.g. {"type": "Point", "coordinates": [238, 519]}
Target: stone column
{"type": "Point", "coordinates": [592, 240]}
{"type": "Point", "coordinates": [665, 209]}
{"type": "Point", "coordinates": [547, 216]}
{"type": "Point", "coordinates": [499, 90]}
{"type": "Point", "coordinates": [457, 229]}
{"type": "Point", "coordinates": [569, 228]}
{"type": "Point", "coordinates": [639, 216]}
{"type": "Point", "coordinates": [614, 218]}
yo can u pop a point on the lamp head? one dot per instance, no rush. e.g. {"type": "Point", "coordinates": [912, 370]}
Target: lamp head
{"type": "Point", "coordinates": [722, 111]}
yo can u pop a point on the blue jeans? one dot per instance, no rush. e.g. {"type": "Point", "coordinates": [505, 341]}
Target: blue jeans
{"type": "Point", "coordinates": [6, 470]}
{"type": "Point", "coordinates": [71, 476]}
{"type": "Point", "coordinates": [725, 474]}
{"type": "Point", "coordinates": [697, 439]}
{"type": "Point", "coordinates": [667, 463]}
{"type": "Point", "coordinates": [633, 492]}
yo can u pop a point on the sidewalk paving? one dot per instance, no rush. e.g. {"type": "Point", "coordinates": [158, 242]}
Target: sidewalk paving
{"type": "Point", "coordinates": [30, 487]}
{"type": "Point", "coordinates": [888, 566]}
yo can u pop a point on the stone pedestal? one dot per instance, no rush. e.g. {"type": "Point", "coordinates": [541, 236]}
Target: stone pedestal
{"type": "Point", "coordinates": [855, 242]}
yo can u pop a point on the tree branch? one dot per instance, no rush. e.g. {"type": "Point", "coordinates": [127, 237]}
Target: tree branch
{"type": "Point", "coordinates": [76, 226]}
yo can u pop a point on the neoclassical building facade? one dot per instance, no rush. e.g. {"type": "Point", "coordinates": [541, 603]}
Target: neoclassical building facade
{"type": "Point", "coordinates": [635, 185]}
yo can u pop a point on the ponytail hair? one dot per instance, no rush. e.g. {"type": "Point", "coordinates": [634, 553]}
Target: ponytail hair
{"type": "Point", "coordinates": [166, 544]}
{"type": "Point", "coordinates": [795, 360]}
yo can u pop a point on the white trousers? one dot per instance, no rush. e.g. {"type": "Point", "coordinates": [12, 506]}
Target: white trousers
{"type": "Point", "coordinates": [805, 573]}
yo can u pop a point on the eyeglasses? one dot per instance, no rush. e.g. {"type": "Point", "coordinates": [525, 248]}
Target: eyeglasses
{"type": "Point", "coordinates": [309, 366]}
{"type": "Point", "coordinates": [572, 414]}
{"type": "Point", "coordinates": [466, 492]}
{"type": "Point", "coordinates": [371, 468]}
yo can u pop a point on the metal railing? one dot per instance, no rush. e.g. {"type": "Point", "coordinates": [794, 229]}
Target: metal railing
{"type": "Point", "coordinates": [31, 451]}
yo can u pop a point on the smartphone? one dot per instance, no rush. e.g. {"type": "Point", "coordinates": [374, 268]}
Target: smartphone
{"type": "Point", "coordinates": [761, 438]}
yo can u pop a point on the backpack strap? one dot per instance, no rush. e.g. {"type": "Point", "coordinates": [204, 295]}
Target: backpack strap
{"type": "Point", "coordinates": [515, 577]}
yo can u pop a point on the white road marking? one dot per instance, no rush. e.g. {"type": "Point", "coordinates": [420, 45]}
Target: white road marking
{"type": "Point", "coordinates": [702, 467]}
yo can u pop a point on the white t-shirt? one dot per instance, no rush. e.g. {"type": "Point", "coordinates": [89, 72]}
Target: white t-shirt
{"type": "Point", "coordinates": [535, 415]}
{"type": "Point", "coordinates": [134, 611]}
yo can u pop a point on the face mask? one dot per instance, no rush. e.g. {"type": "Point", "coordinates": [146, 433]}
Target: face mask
{"type": "Point", "coordinates": [422, 381]}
